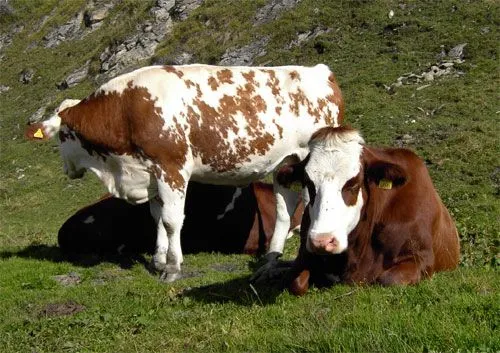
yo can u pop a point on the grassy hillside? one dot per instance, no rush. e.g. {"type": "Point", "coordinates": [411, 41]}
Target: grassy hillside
{"type": "Point", "coordinates": [452, 122]}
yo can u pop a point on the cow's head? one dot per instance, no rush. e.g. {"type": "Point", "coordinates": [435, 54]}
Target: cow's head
{"type": "Point", "coordinates": [337, 179]}
{"type": "Point", "coordinates": [70, 147]}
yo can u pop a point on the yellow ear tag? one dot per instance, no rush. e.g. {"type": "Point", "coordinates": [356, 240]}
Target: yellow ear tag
{"type": "Point", "coordinates": [38, 134]}
{"type": "Point", "coordinates": [385, 184]}
{"type": "Point", "coordinates": [296, 186]}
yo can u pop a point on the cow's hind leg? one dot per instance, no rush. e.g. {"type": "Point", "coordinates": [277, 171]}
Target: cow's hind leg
{"type": "Point", "coordinates": [171, 219]}
{"type": "Point", "coordinates": [159, 260]}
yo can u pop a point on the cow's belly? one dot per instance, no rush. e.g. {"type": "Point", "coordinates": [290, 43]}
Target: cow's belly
{"type": "Point", "coordinates": [243, 173]}
{"type": "Point", "coordinates": [128, 178]}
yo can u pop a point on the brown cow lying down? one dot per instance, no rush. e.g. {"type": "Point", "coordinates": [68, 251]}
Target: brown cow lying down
{"type": "Point", "coordinates": [218, 218]}
{"type": "Point", "coordinates": [373, 217]}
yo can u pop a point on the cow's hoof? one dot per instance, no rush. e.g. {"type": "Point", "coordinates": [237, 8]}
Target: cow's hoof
{"type": "Point", "coordinates": [170, 277]}
{"type": "Point", "coordinates": [270, 270]}
{"type": "Point", "coordinates": [157, 266]}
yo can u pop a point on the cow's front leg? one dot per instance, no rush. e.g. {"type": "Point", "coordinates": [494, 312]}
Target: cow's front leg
{"type": "Point", "coordinates": [172, 217]}
{"type": "Point", "coordinates": [403, 273]}
{"type": "Point", "coordinates": [286, 203]}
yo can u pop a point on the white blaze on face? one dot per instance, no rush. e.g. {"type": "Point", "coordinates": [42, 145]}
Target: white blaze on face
{"type": "Point", "coordinates": [333, 162]}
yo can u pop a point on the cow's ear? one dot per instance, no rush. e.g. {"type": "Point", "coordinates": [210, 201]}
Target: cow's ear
{"type": "Point", "coordinates": [290, 173]}
{"type": "Point", "coordinates": [386, 175]}
{"type": "Point", "coordinates": [36, 132]}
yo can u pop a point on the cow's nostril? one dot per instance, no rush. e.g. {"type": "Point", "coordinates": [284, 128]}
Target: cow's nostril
{"type": "Point", "coordinates": [322, 243]}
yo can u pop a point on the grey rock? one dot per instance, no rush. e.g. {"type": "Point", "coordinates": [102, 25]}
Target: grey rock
{"type": "Point", "coordinates": [6, 37]}
{"type": "Point", "coordinates": [4, 88]}
{"type": "Point", "coordinates": [272, 10]}
{"type": "Point", "coordinates": [307, 36]}
{"type": "Point", "coordinates": [161, 11]}
{"type": "Point", "coordinates": [183, 8]}
{"type": "Point", "coordinates": [75, 77]}
{"type": "Point", "coordinates": [404, 140]}
{"type": "Point", "coordinates": [245, 55]}
{"type": "Point", "coordinates": [485, 30]}
{"type": "Point", "coordinates": [38, 115]}
{"type": "Point", "coordinates": [428, 76]}
{"type": "Point", "coordinates": [26, 76]}
{"type": "Point", "coordinates": [5, 8]}
{"type": "Point", "coordinates": [457, 52]}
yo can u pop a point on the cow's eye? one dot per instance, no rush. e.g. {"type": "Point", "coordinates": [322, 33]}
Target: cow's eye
{"type": "Point", "coordinates": [350, 191]}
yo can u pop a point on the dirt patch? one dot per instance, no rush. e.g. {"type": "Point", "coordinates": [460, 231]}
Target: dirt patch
{"type": "Point", "coordinates": [61, 309]}
{"type": "Point", "coordinates": [71, 279]}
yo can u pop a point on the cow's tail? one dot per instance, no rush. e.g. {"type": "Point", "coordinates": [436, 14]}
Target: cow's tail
{"type": "Point", "coordinates": [49, 128]}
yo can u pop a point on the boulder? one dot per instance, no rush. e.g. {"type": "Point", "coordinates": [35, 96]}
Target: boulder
{"type": "Point", "coordinates": [75, 77]}
{"type": "Point", "coordinates": [26, 76]}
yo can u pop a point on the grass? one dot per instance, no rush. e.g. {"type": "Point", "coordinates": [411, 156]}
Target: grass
{"type": "Point", "coordinates": [453, 125]}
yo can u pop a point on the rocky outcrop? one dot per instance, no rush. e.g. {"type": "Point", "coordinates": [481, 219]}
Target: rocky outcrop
{"type": "Point", "coordinates": [68, 31]}
{"type": "Point", "coordinates": [245, 55]}
{"type": "Point", "coordinates": [183, 8]}
{"type": "Point", "coordinates": [141, 45]}
{"type": "Point", "coordinates": [272, 10]}
{"type": "Point", "coordinates": [80, 25]}
{"type": "Point", "coordinates": [6, 37]}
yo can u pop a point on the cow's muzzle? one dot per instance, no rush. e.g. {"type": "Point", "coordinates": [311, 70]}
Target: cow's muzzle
{"type": "Point", "coordinates": [324, 244]}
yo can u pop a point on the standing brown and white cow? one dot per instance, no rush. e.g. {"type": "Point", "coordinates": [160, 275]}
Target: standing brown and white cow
{"type": "Point", "coordinates": [373, 216]}
{"type": "Point", "coordinates": [145, 134]}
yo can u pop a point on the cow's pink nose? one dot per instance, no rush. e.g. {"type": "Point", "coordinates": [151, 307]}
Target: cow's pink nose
{"type": "Point", "coordinates": [324, 243]}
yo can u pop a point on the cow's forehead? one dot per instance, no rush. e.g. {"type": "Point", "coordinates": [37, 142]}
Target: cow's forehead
{"type": "Point", "coordinates": [333, 165]}
{"type": "Point", "coordinates": [335, 157]}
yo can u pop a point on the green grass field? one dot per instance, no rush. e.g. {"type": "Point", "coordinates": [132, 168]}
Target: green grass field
{"type": "Point", "coordinates": [452, 122]}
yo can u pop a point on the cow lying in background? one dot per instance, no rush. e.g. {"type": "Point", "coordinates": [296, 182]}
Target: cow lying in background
{"type": "Point", "coordinates": [147, 133]}
{"type": "Point", "coordinates": [373, 216]}
{"type": "Point", "coordinates": [218, 218]}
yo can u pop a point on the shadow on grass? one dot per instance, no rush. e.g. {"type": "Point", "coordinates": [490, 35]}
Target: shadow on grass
{"type": "Point", "coordinates": [237, 291]}
{"type": "Point", "coordinates": [242, 291]}
{"type": "Point", "coordinates": [54, 254]}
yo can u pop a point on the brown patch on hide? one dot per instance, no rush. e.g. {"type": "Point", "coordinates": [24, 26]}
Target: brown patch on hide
{"type": "Point", "coordinates": [225, 76]}
{"type": "Point", "coordinates": [210, 126]}
{"type": "Point", "coordinates": [129, 123]}
{"type": "Point", "coordinates": [173, 70]}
